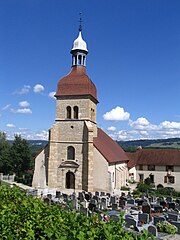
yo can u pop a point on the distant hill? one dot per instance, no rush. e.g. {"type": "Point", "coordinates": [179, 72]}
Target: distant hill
{"type": "Point", "coordinates": [131, 146]}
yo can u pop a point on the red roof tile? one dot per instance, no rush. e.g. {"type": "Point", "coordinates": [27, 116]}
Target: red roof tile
{"type": "Point", "coordinates": [76, 83]}
{"type": "Point", "coordinates": [158, 157]}
{"type": "Point", "coordinates": [111, 150]}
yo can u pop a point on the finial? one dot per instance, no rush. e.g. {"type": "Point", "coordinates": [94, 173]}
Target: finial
{"type": "Point", "coordinates": [80, 22]}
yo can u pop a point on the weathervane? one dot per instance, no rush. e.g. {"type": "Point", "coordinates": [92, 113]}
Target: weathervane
{"type": "Point", "coordinates": [80, 21]}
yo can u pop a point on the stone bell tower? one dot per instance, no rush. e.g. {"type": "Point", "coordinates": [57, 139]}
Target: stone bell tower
{"type": "Point", "coordinates": [70, 164]}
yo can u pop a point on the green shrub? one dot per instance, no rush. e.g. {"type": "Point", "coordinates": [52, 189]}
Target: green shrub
{"type": "Point", "coordinates": [166, 227]}
{"type": "Point", "coordinates": [25, 218]}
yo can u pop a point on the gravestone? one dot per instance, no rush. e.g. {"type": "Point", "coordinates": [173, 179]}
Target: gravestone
{"type": "Point", "coordinates": [143, 218]}
{"type": "Point", "coordinates": [153, 230]}
{"type": "Point", "coordinates": [131, 201]}
{"type": "Point", "coordinates": [130, 222]}
{"type": "Point", "coordinates": [115, 218]}
{"type": "Point", "coordinates": [172, 217]}
{"type": "Point", "coordinates": [58, 194]}
{"type": "Point", "coordinates": [81, 196]}
{"type": "Point", "coordinates": [177, 224]}
{"type": "Point", "coordinates": [169, 199]}
{"type": "Point", "coordinates": [146, 208]}
{"type": "Point", "coordinates": [122, 203]}
{"type": "Point", "coordinates": [114, 206]}
{"type": "Point", "coordinates": [171, 205]}
{"type": "Point", "coordinates": [113, 199]}
{"type": "Point", "coordinates": [87, 196]}
{"type": "Point", "coordinates": [158, 209]}
{"type": "Point", "coordinates": [163, 204]}
{"type": "Point", "coordinates": [159, 219]}
{"type": "Point", "coordinates": [84, 211]}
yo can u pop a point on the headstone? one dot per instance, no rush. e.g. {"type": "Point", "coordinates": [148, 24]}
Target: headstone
{"type": "Point", "coordinates": [87, 196]}
{"type": "Point", "coordinates": [139, 202]}
{"type": "Point", "coordinates": [158, 209]}
{"type": "Point", "coordinates": [114, 206]}
{"type": "Point", "coordinates": [163, 203]}
{"type": "Point", "coordinates": [130, 223]}
{"type": "Point", "coordinates": [146, 208]}
{"type": "Point", "coordinates": [122, 203]}
{"type": "Point", "coordinates": [97, 194]}
{"type": "Point", "coordinates": [143, 218]}
{"type": "Point", "coordinates": [93, 205]}
{"type": "Point", "coordinates": [58, 194]}
{"type": "Point", "coordinates": [84, 211]}
{"type": "Point", "coordinates": [104, 203]}
{"type": "Point", "coordinates": [128, 216]}
{"type": "Point", "coordinates": [169, 199]}
{"type": "Point", "coordinates": [115, 218]}
{"type": "Point", "coordinates": [177, 224]}
{"type": "Point", "coordinates": [172, 217]}
{"type": "Point", "coordinates": [131, 201]}
{"type": "Point", "coordinates": [159, 219]}
{"type": "Point", "coordinates": [102, 193]}
{"type": "Point", "coordinates": [171, 205]}
{"type": "Point", "coordinates": [49, 196]}
{"type": "Point", "coordinates": [153, 230]}
{"type": "Point", "coordinates": [113, 199]}
{"type": "Point", "coordinates": [81, 196]}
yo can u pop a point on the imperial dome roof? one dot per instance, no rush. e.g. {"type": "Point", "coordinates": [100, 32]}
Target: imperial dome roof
{"type": "Point", "coordinates": [76, 83]}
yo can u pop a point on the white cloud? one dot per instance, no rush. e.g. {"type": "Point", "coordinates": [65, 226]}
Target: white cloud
{"type": "Point", "coordinates": [112, 128]}
{"type": "Point", "coordinates": [24, 90]}
{"type": "Point", "coordinates": [6, 107]}
{"type": "Point", "coordinates": [116, 114]}
{"type": "Point", "coordinates": [21, 110]}
{"type": "Point", "coordinates": [51, 95]}
{"type": "Point", "coordinates": [38, 88]}
{"type": "Point", "coordinates": [142, 124]}
{"type": "Point", "coordinates": [10, 125]}
{"type": "Point", "coordinates": [24, 104]}
{"type": "Point", "coordinates": [170, 125]}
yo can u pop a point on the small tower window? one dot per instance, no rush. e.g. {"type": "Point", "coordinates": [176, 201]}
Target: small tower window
{"type": "Point", "coordinates": [68, 112]}
{"type": "Point", "coordinates": [79, 59]}
{"type": "Point", "coordinates": [76, 110]}
{"type": "Point", "coordinates": [71, 153]}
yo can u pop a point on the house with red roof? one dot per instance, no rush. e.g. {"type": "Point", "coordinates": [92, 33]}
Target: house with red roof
{"type": "Point", "coordinates": [162, 166]}
{"type": "Point", "coordinates": [79, 155]}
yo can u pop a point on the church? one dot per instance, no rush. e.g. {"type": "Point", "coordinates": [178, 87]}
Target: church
{"type": "Point", "coordinates": [79, 155]}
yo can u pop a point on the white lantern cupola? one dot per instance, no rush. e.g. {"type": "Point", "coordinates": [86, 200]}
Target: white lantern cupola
{"type": "Point", "coordinates": [79, 50]}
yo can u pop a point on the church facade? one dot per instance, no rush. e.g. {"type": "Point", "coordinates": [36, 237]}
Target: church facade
{"type": "Point", "coordinates": [79, 155]}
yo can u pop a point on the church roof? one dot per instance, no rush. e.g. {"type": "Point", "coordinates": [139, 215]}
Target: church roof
{"type": "Point", "coordinates": [76, 83]}
{"type": "Point", "coordinates": [110, 149]}
{"type": "Point", "coordinates": [158, 157]}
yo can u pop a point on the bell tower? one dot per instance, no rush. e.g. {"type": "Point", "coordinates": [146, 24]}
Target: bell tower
{"type": "Point", "coordinates": [70, 164]}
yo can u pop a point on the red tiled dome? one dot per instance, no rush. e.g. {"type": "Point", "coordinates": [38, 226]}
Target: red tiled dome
{"type": "Point", "coordinates": [76, 83]}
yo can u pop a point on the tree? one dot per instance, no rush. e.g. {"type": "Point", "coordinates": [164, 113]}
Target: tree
{"type": "Point", "coordinates": [21, 156]}
{"type": "Point", "coordinates": [6, 165]}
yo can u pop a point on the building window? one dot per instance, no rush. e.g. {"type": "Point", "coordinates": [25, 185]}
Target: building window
{"type": "Point", "coordinates": [151, 178]}
{"type": "Point", "coordinates": [113, 177]}
{"type": "Point", "coordinates": [141, 177]}
{"type": "Point", "coordinates": [68, 112]}
{"type": "Point", "coordinates": [71, 153]}
{"type": "Point", "coordinates": [169, 179]}
{"type": "Point", "coordinates": [140, 167]}
{"type": "Point", "coordinates": [169, 168]}
{"type": "Point", "coordinates": [76, 110]}
{"type": "Point", "coordinates": [151, 167]}
{"type": "Point", "coordinates": [79, 59]}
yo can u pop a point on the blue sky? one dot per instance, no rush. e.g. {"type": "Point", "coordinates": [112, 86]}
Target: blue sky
{"type": "Point", "coordinates": [133, 59]}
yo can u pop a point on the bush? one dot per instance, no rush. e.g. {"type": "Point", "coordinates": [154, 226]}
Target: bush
{"type": "Point", "coordinates": [23, 217]}
{"type": "Point", "coordinates": [166, 227]}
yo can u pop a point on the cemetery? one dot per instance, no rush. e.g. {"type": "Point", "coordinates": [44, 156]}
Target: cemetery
{"type": "Point", "coordinates": [148, 217]}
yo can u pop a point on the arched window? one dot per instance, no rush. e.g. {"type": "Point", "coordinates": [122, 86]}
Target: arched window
{"type": "Point", "coordinates": [70, 180]}
{"type": "Point", "coordinates": [79, 59]}
{"type": "Point", "coordinates": [76, 110]}
{"type": "Point", "coordinates": [71, 153]}
{"type": "Point", "coordinates": [68, 112]}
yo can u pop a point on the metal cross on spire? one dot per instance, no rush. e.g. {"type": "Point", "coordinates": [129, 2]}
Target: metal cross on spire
{"type": "Point", "coordinates": [80, 22]}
